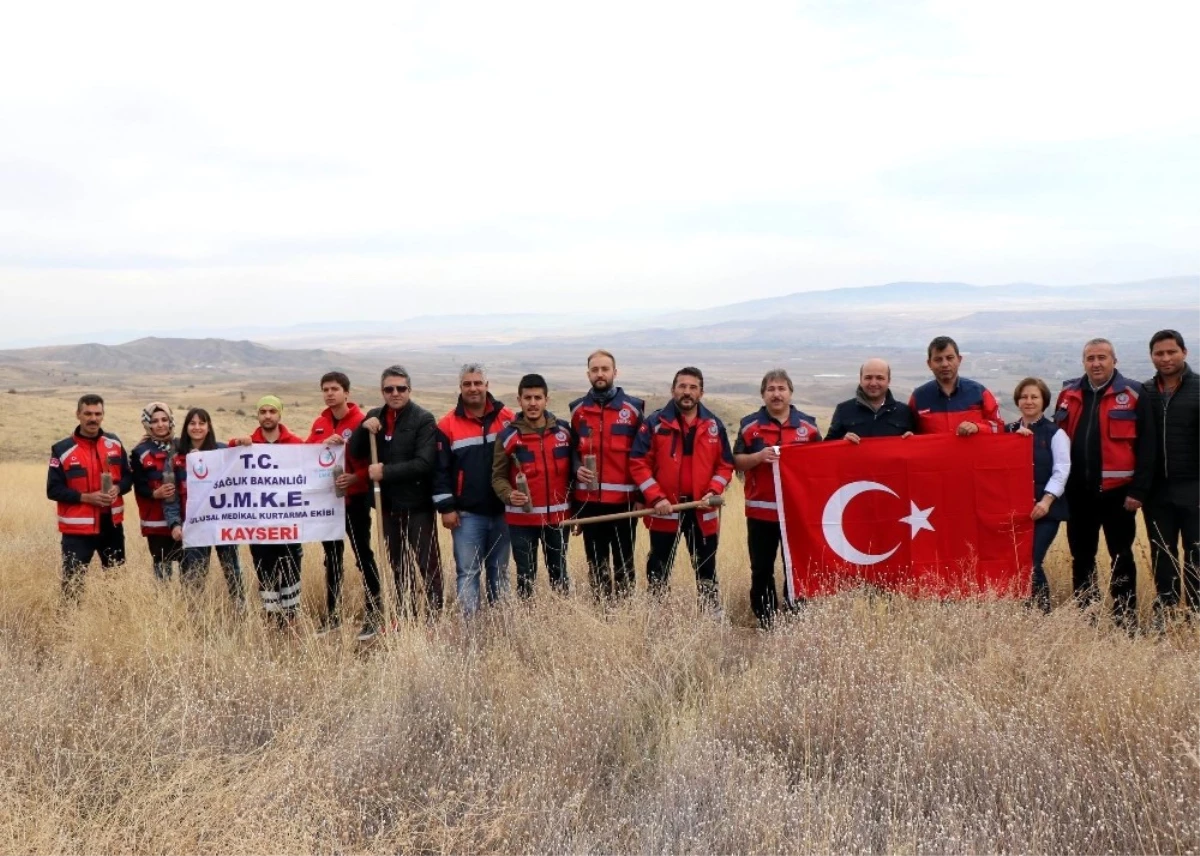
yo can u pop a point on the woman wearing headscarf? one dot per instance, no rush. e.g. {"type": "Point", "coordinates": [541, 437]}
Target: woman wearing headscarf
{"type": "Point", "coordinates": [149, 460]}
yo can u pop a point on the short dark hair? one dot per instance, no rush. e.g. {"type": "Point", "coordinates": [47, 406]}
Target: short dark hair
{"type": "Point", "coordinates": [1163, 335]}
{"type": "Point", "coordinates": [690, 371]}
{"type": "Point", "coordinates": [86, 399]}
{"type": "Point", "coordinates": [941, 343]}
{"type": "Point", "coordinates": [1032, 381]}
{"type": "Point", "coordinates": [532, 381]}
{"type": "Point", "coordinates": [394, 371]}
{"type": "Point", "coordinates": [336, 377]}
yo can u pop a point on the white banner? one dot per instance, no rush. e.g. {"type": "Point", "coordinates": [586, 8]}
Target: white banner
{"type": "Point", "coordinates": [263, 494]}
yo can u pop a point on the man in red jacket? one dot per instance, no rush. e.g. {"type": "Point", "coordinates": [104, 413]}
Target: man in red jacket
{"type": "Point", "coordinates": [681, 454]}
{"type": "Point", "coordinates": [605, 421]}
{"type": "Point", "coordinates": [277, 565]}
{"type": "Point", "coordinates": [334, 427]}
{"type": "Point", "coordinates": [90, 517]}
{"type": "Point", "coordinates": [777, 423]}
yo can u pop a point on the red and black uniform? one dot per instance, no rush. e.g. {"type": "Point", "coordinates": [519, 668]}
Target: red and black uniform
{"type": "Point", "coordinates": [681, 460]}
{"type": "Point", "coordinates": [757, 431]}
{"type": "Point", "coordinates": [938, 413]}
{"type": "Point", "coordinates": [278, 565]}
{"type": "Point", "coordinates": [605, 426]}
{"type": "Point", "coordinates": [1103, 425]}
{"type": "Point", "coordinates": [76, 466]}
{"type": "Point", "coordinates": [466, 447]}
{"type": "Point", "coordinates": [148, 461]}
{"type": "Point", "coordinates": [543, 455]}
{"type": "Point", "coordinates": [358, 506]}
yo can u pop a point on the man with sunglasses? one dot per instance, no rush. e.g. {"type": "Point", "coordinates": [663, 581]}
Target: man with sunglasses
{"type": "Point", "coordinates": [406, 434]}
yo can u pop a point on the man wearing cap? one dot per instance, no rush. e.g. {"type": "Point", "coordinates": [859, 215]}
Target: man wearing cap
{"type": "Point", "coordinates": [276, 565]}
{"type": "Point", "coordinates": [148, 461]}
{"type": "Point", "coordinates": [90, 514]}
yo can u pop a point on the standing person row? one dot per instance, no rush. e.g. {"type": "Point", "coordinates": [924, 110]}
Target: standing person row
{"type": "Point", "coordinates": [150, 461]}
{"type": "Point", "coordinates": [334, 427]}
{"type": "Point", "coordinates": [682, 454]}
{"type": "Point", "coordinates": [606, 421]}
{"type": "Point", "coordinates": [462, 489]}
{"type": "Point", "coordinates": [1169, 459]}
{"type": "Point", "coordinates": [1101, 413]}
{"type": "Point", "coordinates": [531, 475]}
{"type": "Point", "coordinates": [276, 565]}
{"type": "Point", "coordinates": [87, 477]}
{"type": "Point", "coordinates": [199, 435]}
{"type": "Point", "coordinates": [405, 435]}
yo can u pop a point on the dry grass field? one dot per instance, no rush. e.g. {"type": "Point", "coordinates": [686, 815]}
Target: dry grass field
{"type": "Point", "coordinates": [145, 720]}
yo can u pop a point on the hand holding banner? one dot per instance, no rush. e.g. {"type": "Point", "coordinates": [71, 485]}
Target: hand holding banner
{"type": "Point", "coordinates": [936, 515]}
{"type": "Point", "coordinates": [263, 494]}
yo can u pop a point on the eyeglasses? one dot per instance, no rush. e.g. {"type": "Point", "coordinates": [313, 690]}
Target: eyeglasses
{"type": "Point", "coordinates": [390, 390]}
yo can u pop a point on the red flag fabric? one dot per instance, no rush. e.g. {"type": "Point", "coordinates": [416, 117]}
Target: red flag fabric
{"type": "Point", "coordinates": [930, 515]}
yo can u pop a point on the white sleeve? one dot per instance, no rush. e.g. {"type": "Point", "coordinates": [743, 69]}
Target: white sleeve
{"type": "Point", "coordinates": [1060, 448]}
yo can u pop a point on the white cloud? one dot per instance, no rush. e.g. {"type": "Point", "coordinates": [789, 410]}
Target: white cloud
{"type": "Point", "coordinates": [548, 149]}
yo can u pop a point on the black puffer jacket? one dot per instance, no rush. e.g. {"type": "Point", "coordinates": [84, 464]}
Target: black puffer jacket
{"type": "Point", "coordinates": [408, 454]}
{"type": "Point", "coordinates": [1175, 434]}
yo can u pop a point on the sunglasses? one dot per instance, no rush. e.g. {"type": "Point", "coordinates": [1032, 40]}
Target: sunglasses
{"type": "Point", "coordinates": [390, 390]}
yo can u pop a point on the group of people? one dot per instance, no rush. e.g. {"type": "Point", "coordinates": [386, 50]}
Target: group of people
{"type": "Point", "coordinates": [517, 482]}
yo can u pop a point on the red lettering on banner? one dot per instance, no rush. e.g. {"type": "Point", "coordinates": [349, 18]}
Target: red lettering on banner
{"type": "Point", "coordinates": [260, 533]}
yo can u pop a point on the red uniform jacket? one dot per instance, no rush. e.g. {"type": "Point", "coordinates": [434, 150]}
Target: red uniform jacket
{"type": "Point", "coordinates": [607, 429]}
{"type": "Point", "coordinates": [938, 413]}
{"type": "Point", "coordinates": [757, 431]}
{"type": "Point", "coordinates": [147, 461]}
{"type": "Point", "coordinates": [1118, 425]}
{"type": "Point", "coordinates": [660, 453]}
{"type": "Point", "coordinates": [325, 426]}
{"type": "Point", "coordinates": [545, 459]}
{"type": "Point", "coordinates": [76, 464]}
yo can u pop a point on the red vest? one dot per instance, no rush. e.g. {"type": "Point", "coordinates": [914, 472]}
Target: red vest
{"type": "Point", "coordinates": [658, 459]}
{"type": "Point", "coordinates": [1118, 426]}
{"type": "Point", "coordinates": [324, 427]}
{"type": "Point", "coordinates": [606, 429]}
{"type": "Point", "coordinates": [545, 459]}
{"type": "Point", "coordinates": [147, 462]}
{"type": "Point", "coordinates": [757, 431]}
{"type": "Point", "coordinates": [82, 461]}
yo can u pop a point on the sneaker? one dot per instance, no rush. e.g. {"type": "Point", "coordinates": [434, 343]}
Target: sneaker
{"type": "Point", "coordinates": [329, 625]}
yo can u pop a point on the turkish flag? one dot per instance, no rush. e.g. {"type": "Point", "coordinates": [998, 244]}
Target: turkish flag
{"type": "Point", "coordinates": [936, 515]}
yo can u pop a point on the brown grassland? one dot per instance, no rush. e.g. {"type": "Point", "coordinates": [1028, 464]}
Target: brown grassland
{"type": "Point", "coordinates": [145, 720]}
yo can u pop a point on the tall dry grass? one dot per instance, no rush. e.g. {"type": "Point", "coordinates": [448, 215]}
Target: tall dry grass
{"type": "Point", "coordinates": [143, 721]}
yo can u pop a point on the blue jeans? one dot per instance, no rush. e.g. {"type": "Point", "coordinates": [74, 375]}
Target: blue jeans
{"type": "Point", "coordinates": [480, 543]}
{"type": "Point", "coordinates": [1044, 532]}
{"type": "Point", "coordinates": [195, 568]}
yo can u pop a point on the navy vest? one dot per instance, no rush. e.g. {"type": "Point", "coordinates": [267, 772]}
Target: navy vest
{"type": "Point", "coordinates": [1043, 464]}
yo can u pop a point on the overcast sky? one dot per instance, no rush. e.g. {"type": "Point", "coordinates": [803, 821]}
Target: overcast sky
{"type": "Point", "coordinates": [291, 163]}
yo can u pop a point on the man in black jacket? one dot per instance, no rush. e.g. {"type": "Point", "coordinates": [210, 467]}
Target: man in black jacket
{"type": "Point", "coordinates": [1172, 449]}
{"type": "Point", "coordinates": [874, 411]}
{"type": "Point", "coordinates": [407, 440]}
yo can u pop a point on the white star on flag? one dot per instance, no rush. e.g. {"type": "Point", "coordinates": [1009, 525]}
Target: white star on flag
{"type": "Point", "coordinates": [918, 519]}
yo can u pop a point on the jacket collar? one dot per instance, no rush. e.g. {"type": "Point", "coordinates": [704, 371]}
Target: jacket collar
{"type": "Point", "coordinates": [670, 414]}
{"type": "Point", "coordinates": [522, 423]}
{"type": "Point", "coordinates": [861, 398]}
{"type": "Point", "coordinates": [489, 407]}
{"type": "Point", "coordinates": [792, 421]}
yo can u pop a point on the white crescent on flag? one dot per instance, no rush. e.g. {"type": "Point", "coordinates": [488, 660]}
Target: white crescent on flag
{"type": "Point", "coordinates": [835, 533]}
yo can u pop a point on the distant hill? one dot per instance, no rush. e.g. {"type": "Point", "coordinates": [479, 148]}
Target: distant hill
{"type": "Point", "coordinates": [160, 355]}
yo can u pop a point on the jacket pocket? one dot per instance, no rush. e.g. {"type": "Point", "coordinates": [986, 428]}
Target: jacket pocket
{"type": "Point", "coordinates": [1122, 425]}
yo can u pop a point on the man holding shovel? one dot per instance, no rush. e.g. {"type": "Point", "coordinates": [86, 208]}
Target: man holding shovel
{"type": "Point", "coordinates": [681, 454]}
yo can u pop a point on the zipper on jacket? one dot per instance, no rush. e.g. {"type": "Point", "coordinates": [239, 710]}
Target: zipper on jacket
{"type": "Point", "coordinates": [546, 473]}
{"type": "Point", "coordinates": [1087, 440]}
{"type": "Point", "coordinates": [1166, 404]}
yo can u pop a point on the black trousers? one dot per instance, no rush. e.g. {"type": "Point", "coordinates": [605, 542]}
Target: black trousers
{"type": "Point", "coordinates": [165, 551]}
{"type": "Point", "coordinates": [278, 569]}
{"type": "Point", "coordinates": [1092, 512]}
{"type": "Point", "coordinates": [1168, 519]}
{"type": "Point", "coordinates": [78, 551]}
{"type": "Point", "coordinates": [358, 529]}
{"type": "Point", "coordinates": [525, 541]}
{"type": "Point", "coordinates": [763, 538]}
{"type": "Point", "coordinates": [608, 548]}
{"type": "Point", "coordinates": [411, 541]}
{"type": "Point", "coordinates": [702, 549]}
